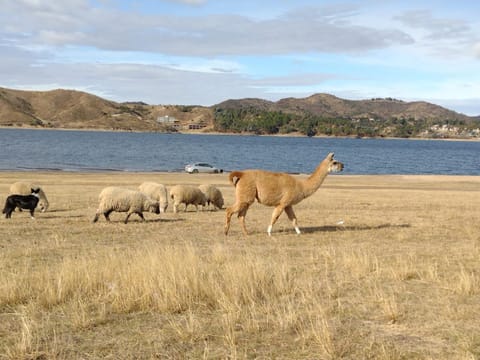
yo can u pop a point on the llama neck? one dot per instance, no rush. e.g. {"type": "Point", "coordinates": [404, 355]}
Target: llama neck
{"type": "Point", "coordinates": [313, 182]}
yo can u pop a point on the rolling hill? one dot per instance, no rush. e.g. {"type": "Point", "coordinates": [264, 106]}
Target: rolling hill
{"type": "Point", "coordinates": [322, 114]}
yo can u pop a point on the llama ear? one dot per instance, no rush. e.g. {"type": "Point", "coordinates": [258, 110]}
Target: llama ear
{"type": "Point", "coordinates": [330, 156]}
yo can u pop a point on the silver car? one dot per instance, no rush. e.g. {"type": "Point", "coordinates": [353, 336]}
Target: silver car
{"type": "Point", "coordinates": [200, 167]}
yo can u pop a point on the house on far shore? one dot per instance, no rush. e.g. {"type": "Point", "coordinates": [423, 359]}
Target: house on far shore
{"type": "Point", "coordinates": [169, 121]}
{"type": "Point", "coordinates": [196, 126]}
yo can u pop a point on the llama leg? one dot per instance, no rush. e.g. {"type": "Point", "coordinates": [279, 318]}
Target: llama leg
{"type": "Point", "coordinates": [32, 216]}
{"type": "Point", "coordinates": [241, 216]}
{"type": "Point", "coordinates": [276, 213]}
{"type": "Point", "coordinates": [228, 216]}
{"type": "Point", "coordinates": [141, 216]}
{"type": "Point", "coordinates": [241, 209]}
{"type": "Point", "coordinates": [291, 215]}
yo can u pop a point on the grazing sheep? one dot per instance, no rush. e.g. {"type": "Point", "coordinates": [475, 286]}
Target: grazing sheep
{"type": "Point", "coordinates": [213, 195]}
{"type": "Point", "coordinates": [25, 188]}
{"type": "Point", "coordinates": [280, 190]}
{"type": "Point", "coordinates": [185, 194]}
{"type": "Point", "coordinates": [156, 192]}
{"type": "Point", "coordinates": [124, 200]}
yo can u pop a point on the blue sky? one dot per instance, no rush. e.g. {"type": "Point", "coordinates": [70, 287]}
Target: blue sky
{"type": "Point", "coordinates": [206, 51]}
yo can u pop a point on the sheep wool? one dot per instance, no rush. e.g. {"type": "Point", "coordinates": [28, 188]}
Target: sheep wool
{"type": "Point", "coordinates": [124, 200]}
{"type": "Point", "coordinates": [156, 192]}
{"type": "Point", "coordinates": [213, 195]}
{"type": "Point", "coordinates": [25, 188]}
{"type": "Point", "coordinates": [188, 195]}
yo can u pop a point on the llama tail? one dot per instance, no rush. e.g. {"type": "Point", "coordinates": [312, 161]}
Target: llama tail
{"type": "Point", "coordinates": [234, 177]}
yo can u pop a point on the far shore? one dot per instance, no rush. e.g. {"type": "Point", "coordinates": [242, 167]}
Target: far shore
{"type": "Point", "coordinates": [203, 132]}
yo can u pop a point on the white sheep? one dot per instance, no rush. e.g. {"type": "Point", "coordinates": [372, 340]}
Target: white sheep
{"type": "Point", "coordinates": [188, 195]}
{"type": "Point", "coordinates": [124, 200]}
{"type": "Point", "coordinates": [156, 192]}
{"type": "Point", "coordinates": [213, 195]}
{"type": "Point", "coordinates": [25, 188]}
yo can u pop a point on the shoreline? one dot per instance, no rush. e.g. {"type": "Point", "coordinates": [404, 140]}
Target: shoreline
{"type": "Point", "coordinates": [220, 177]}
{"type": "Point", "coordinates": [183, 173]}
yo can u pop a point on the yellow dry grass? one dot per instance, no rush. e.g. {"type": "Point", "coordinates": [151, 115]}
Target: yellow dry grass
{"type": "Point", "coordinates": [398, 279]}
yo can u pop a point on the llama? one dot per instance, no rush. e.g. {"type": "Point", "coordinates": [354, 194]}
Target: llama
{"type": "Point", "coordinates": [280, 190]}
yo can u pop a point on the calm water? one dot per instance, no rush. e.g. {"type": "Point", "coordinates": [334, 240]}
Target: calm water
{"type": "Point", "coordinates": [119, 151]}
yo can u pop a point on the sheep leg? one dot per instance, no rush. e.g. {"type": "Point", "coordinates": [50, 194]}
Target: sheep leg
{"type": "Point", "coordinates": [275, 215]}
{"type": "Point", "coordinates": [107, 214]}
{"type": "Point", "coordinates": [141, 216]}
{"type": "Point", "coordinates": [291, 216]}
{"type": "Point", "coordinates": [126, 219]}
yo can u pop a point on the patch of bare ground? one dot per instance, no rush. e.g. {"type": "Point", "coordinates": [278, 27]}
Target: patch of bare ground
{"type": "Point", "coordinates": [387, 267]}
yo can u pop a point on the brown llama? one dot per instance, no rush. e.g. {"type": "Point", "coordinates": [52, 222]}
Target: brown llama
{"type": "Point", "coordinates": [280, 190]}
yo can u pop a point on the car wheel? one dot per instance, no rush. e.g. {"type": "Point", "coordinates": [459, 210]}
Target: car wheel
{"type": "Point", "coordinates": [194, 171]}
{"type": "Point", "coordinates": [215, 171]}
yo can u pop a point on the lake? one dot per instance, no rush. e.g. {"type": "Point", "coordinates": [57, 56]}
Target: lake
{"type": "Point", "coordinates": [90, 151]}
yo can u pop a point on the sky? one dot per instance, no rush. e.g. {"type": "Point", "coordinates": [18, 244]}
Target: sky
{"type": "Point", "coordinates": [203, 52]}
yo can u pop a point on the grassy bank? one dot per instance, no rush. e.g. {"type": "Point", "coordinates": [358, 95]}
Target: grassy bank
{"type": "Point", "coordinates": [387, 268]}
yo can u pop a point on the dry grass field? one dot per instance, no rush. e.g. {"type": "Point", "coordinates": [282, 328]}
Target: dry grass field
{"type": "Point", "coordinates": [399, 279]}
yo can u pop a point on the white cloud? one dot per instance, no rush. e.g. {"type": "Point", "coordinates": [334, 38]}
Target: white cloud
{"type": "Point", "coordinates": [204, 52]}
{"type": "Point", "coordinates": [476, 50]}
{"type": "Point", "coordinates": [307, 29]}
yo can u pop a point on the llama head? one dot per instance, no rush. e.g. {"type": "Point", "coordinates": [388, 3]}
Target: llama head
{"type": "Point", "coordinates": [334, 165]}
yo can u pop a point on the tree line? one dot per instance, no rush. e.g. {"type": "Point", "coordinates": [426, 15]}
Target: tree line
{"type": "Point", "coordinates": [263, 122]}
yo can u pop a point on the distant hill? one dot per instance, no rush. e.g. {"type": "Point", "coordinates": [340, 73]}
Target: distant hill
{"type": "Point", "coordinates": [324, 114]}
{"type": "Point", "coordinates": [69, 109]}
{"type": "Point", "coordinates": [319, 114]}
{"type": "Point", "coordinates": [331, 106]}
